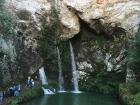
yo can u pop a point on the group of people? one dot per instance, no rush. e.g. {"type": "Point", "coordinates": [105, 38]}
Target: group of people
{"type": "Point", "coordinates": [30, 82]}
{"type": "Point", "coordinates": [15, 90]}
{"type": "Point", "coordinates": [12, 91]}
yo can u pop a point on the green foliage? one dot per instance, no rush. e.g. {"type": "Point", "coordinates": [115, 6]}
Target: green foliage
{"type": "Point", "coordinates": [54, 15]}
{"type": "Point", "coordinates": [133, 88]}
{"type": "Point", "coordinates": [134, 57]}
{"type": "Point", "coordinates": [48, 39]}
{"type": "Point", "coordinates": [7, 52]}
{"type": "Point", "coordinates": [130, 93]}
{"type": "Point", "coordinates": [137, 99]}
{"type": "Point", "coordinates": [7, 25]}
{"type": "Point", "coordinates": [1, 4]}
{"type": "Point", "coordinates": [35, 92]}
{"type": "Point", "coordinates": [130, 88]}
{"type": "Point", "coordinates": [65, 55]}
{"type": "Point", "coordinates": [103, 82]}
{"type": "Point", "coordinates": [49, 36]}
{"type": "Point", "coordinates": [51, 84]}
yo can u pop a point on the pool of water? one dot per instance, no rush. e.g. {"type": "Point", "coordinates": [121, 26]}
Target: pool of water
{"type": "Point", "coordinates": [75, 99]}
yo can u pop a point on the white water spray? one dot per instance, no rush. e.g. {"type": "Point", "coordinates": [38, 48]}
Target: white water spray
{"type": "Point", "coordinates": [60, 78]}
{"type": "Point", "coordinates": [44, 81]}
{"type": "Point", "coordinates": [74, 71]}
{"type": "Point", "coordinates": [42, 76]}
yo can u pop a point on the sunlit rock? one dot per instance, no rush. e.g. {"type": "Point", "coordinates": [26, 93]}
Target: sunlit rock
{"type": "Point", "coordinates": [70, 22]}
{"type": "Point", "coordinates": [29, 15]}
{"type": "Point", "coordinates": [108, 14]}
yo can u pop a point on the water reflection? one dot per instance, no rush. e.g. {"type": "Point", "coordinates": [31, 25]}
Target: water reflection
{"type": "Point", "coordinates": [44, 100]}
{"type": "Point", "coordinates": [75, 99]}
{"type": "Point", "coordinates": [60, 100]}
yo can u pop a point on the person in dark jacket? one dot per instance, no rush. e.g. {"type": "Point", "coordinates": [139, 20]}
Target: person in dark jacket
{"type": "Point", "coordinates": [1, 96]}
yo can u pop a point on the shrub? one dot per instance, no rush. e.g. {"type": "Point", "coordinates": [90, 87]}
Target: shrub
{"type": "Point", "coordinates": [7, 25]}
{"type": "Point", "coordinates": [1, 4]}
{"type": "Point", "coordinates": [137, 99]}
{"type": "Point", "coordinates": [133, 56]}
{"type": "Point", "coordinates": [130, 93]}
{"type": "Point", "coordinates": [47, 41]}
{"type": "Point", "coordinates": [103, 82]}
{"type": "Point", "coordinates": [50, 85]}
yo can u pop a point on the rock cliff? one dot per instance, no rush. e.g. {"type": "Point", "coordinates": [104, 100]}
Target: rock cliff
{"type": "Point", "coordinates": [117, 19]}
{"type": "Point", "coordinates": [104, 16]}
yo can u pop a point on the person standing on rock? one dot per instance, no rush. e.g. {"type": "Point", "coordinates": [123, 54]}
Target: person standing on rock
{"type": "Point", "coordinates": [16, 92]}
{"type": "Point", "coordinates": [28, 81]}
{"type": "Point", "coordinates": [11, 91]}
{"type": "Point", "coordinates": [19, 88]}
{"type": "Point", "coordinates": [32, 83]}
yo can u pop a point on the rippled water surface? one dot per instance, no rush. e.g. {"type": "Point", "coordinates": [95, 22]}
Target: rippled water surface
{"type": "Point", "coordinates": [75, 99]}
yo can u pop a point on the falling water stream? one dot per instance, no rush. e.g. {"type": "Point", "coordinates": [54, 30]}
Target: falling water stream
{"type": "Point", "coordinates": [60, 78]}
{"type": "Point", "coordinates": [42, 76]}
{"type": "Point", "coordinates": [43, 79]}
{"type": "Point", "coordinates": [74, 71]}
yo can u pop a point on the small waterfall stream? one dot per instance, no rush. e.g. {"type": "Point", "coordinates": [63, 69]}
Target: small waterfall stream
{"type": "Point", "coordinates": [42, 76]}
{"type": "Point", "coordinates": [43, 79]}
{"type": "Point", "coordinates": [60, 78]}
{"type": "Point", "coordinates": [74, 71]}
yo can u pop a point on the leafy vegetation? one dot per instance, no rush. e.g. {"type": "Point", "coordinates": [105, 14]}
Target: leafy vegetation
{"type": "Point", "coordinates": [7, 51]}
{"type": "Point", "coordinates": [7, 23]}
{"type": "Point", "coordinates": [103, 82]}
{"type": "Point", "coordinates": [51, 85]}
{"type": "Point", "coordinates": [130, 93]}
{"type": "Point", "coordinates": [1, 4]}
{"type": "Point", "coordinates": [48, 39]}
{"type": "Point", "coordinates": [134, 57]}
{"type": "Point", "coordinates": [65, 55]}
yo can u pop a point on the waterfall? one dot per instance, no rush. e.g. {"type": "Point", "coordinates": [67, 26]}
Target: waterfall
{"type": "Point", "coordinates": [44, 81]}
{"type": "Point", "coordinates": [60, 78]}
{"type": "Point", "coordinates": [48, 91]}
{"type": "Point", "coordinates": [42, 76]}
{"type": "Point", "coordinates": [74, 71]}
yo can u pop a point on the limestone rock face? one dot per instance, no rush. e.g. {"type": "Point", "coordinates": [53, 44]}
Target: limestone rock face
{"type": "Point", "coordinates": [109, 17]}
{"type": "Point", "coordinates": [69, 21]}
{"type": "Point", "coordinates": [7, 60]}
{"type": "Point", "coordinates": [104, 16]}
{"type": "Point", "coordinates": [29, 16]}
